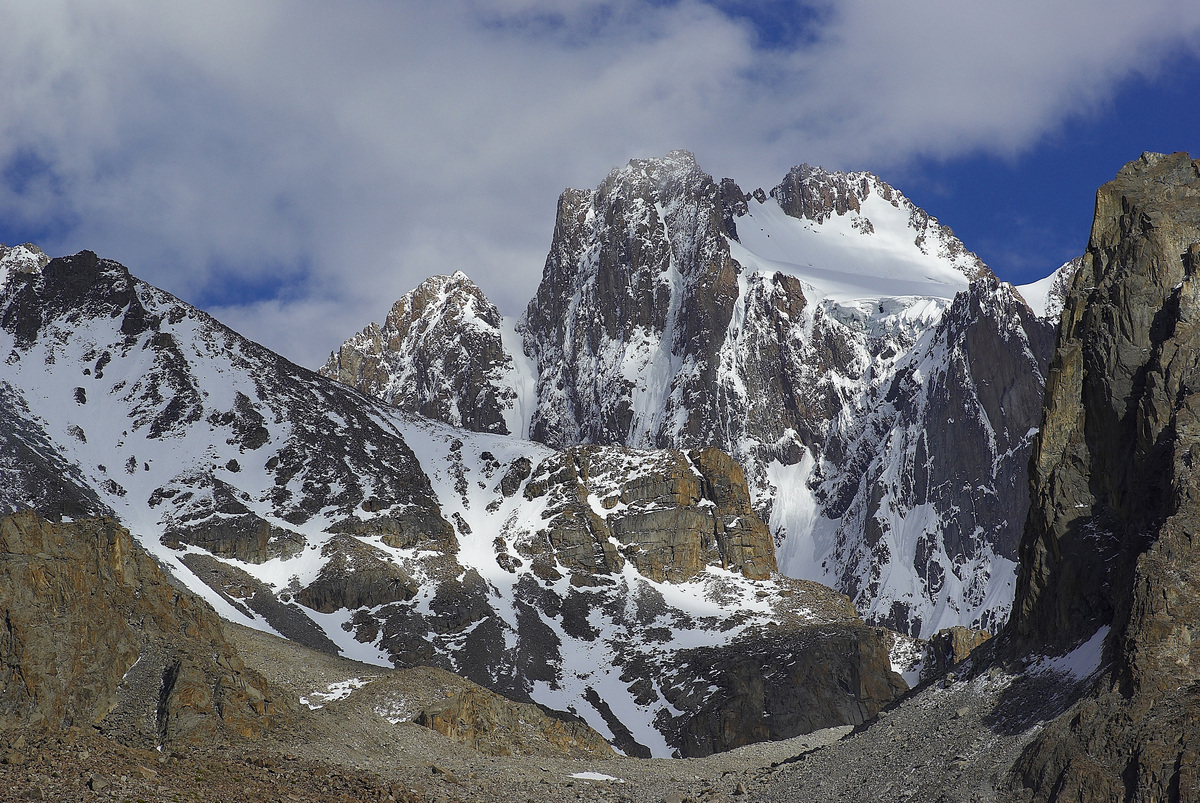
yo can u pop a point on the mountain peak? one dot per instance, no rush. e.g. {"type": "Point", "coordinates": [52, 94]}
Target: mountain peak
{"type": "Point", "coordinates": [25, 258]}
{"type": "Point", "coordinates": [440, 352]}
{"type": "Point", "coordinates": [815, 195]}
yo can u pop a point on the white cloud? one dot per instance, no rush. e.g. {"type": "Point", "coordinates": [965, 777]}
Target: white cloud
{"type": "Point", "coordinates": [339, 153]}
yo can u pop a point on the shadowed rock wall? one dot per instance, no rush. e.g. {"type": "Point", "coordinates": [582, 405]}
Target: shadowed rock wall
{"type": "Point", "coordinates": [1111, 535]}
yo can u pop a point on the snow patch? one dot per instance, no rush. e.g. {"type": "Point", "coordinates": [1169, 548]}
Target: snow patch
{"type": "Point", "coordinates": [338, 690]}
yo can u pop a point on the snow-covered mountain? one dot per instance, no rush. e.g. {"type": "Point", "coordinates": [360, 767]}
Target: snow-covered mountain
{"type": "Point", "coordinates": [634, 588]}
{"type": "Point", "coordinates": [1047, 296]}
{"type": "Point", "coordinates": [445, 352]}
{"type": "Point", "coordinates": [916, 507]}
{"type": "Point", "coordinates": [805, 332]}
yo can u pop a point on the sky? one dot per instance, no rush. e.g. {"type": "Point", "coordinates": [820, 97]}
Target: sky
{"type": "Point", "coordinates": [294, 166]}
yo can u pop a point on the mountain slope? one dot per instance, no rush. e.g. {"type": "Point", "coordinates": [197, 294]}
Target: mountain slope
{"type": "Point", "coordinates": [917, 506]}
{"type": "Point", "coordinates": [634, 588]}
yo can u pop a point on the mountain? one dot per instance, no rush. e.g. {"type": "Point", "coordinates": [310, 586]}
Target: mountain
{"type": "Point", "coordinates": [441, 352]}
{"type": "Point", "coordinates": [633, 588]}
{"type": "Point", "coordinates": [639, 583]}
{"type": "Point", "coordinates": [876, 383]}
{"type": "Point", "coordinates": [1047, 296]}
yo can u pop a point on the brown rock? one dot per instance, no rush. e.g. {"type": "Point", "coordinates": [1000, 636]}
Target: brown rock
{"type": "Point", "coordinates": [672, 513]}
{"type": "Point", "coordinates": [950, 646]}
{"type": "Point", "coordinates": [83, 606]}
{"type": "Point", "coordinates": [497, 726]}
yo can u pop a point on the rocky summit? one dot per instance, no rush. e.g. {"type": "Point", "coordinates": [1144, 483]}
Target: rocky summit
{"type": "Point", "coordinates": [440, 353]}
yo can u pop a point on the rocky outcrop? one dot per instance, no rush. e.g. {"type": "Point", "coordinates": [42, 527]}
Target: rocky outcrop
{"type": "Point", "coordinates": [95, 634]}
{"type": "Point", "coordinates": [949, 647]}
{"type": "Point", "coordinates": [439, 353]}
{"type": "Point", "coordinates": [669, 513]}
{"type": "Point", "coordinates": [1109, 547]}
{"type": "Point", "coordinates": [251, 596]}
{"type": "Point", "coordinates": [776, 685]}
{"type": "Point", "coordinates": [221, 523]}
{"type": "Point", "coordinates": [496, 726]}
{"type": "Point", "coordinates": [355, 575]}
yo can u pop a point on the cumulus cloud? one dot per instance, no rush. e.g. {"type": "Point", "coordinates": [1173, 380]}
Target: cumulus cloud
{"type": "Point", "coordinates": [295, 165]}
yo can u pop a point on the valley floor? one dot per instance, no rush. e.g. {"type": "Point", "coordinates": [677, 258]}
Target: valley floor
{"type": "Point", "coordinates": [953, 740]}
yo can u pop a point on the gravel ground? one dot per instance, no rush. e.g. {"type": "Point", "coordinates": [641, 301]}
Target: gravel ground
{"type": "Point", "coordinates": [352, 733]}
{"type": "Point", "coordinates": [948, 741]}
{"type": "Point", "coordinates": [951, 740]}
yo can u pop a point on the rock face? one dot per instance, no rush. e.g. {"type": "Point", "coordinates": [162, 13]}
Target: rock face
{"type": "Point", "coordinates": [440, 353]}
{"type": "Point", "coordinates": [929, 483]}
{"type": "Point", "coordinates": [1109, 546]}
{"type": "Point", "coordinates": [950, 647]}
{"type": "Point", "coordinates": [498, 727]}
{"type": "Point", "coordinates": [668, 513]}
{"type": "Point", "coordinates": [775, 685]}
{"type": "Point", "coordinates": [96, 634]}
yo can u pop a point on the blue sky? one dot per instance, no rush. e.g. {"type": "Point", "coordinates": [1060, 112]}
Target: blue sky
{"type": "Point", "coordinates": [1027, 213]}
{"type": "Point", "coordinates": [293, 166]}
